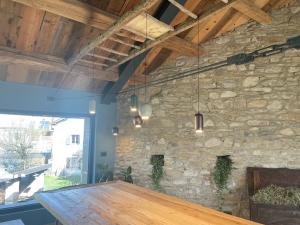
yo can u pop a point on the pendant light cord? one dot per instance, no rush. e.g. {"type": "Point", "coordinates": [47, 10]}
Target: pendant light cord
{"type": "Point", "coordinates": [198, 78]}
{"type": "Point", "coordinates": [146, 71]}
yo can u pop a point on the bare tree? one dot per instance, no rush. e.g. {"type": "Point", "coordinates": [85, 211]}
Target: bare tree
{"type": "Point", "coordinates": [18, 142]}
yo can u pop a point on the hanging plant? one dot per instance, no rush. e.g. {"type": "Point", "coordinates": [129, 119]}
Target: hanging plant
{"type": "Point", "coordinates": [157, 171]}
{"type": "Point", "coordinates": [126, 173]}
{"type": "Point", "coordinates": [221, 174]}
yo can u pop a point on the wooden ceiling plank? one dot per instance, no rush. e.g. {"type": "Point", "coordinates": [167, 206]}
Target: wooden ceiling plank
{"type": "Point", "coordinates": [148, 26]}
{"type": "Point", "coordinates": [132, 36]}
{"type": "Point", "coordinates": [183, 9]}
{"type": "Point", "coordinates": [43, 62]}
{"type": "Point", "coordinates": [178, 29]}
{"type": "Point", "coordinates": [74, 10]}
{"type": "Point", "coordinates": [252, 11]}
{"type": "Point", "coordinates": [29, 29]}
{"type": "Point", "coordinates": [117, 26]}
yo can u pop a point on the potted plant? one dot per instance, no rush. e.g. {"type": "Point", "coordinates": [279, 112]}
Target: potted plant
{"type": "Point", "coordinates": [221, 174]}
{"type": "Point", "coordinates": [126, 173]}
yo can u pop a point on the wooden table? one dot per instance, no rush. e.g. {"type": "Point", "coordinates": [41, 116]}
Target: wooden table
{"type": "Point", "coordinates": [126, 204]}
{"type": "Point", "coordinates": [13, 222]}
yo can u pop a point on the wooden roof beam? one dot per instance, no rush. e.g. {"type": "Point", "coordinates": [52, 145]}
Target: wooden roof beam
{"type": "Point", "coordinates": [123, 42]}
{"type": "Point", "coordinates": [102, 57]}
{"type": "Point", "coordinates": [113, 51]}
{"type": "Point", "coordinates": [178, 29]}
{"type": "Point", "coordinates": [116, 27]}
{"type": "Point", "coordinates": [51, 64]}
{"type": "Point", "coordinates": [182, 46]}
{"type": "Point", "coordinates": [93, 63]}
{"type": "Point", "coordinates": [78, 11]}
{"type": "Point", "coordinates": [252, 11]}
{"type": "Point", "coordinates": [74, 10]}
{"type": "Point", "coordinates": [183, 9]}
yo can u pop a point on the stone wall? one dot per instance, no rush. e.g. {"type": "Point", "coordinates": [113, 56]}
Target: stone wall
{"type": "Point", "coordinates": [251, 112]}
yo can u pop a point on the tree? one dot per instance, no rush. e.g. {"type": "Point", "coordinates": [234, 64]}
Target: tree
{"type": "Point", "coordinates": [17, 142]}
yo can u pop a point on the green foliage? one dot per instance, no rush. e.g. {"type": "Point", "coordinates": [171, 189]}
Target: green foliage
{"type": "Point", "coordinates": [126, 173]}
{"type": "Point", "coordinates": [104, 173]}
{"type": "Point", "coordinates": [157, 172]}
{"type": "Point", "coordinates": [221, 174]}
{"type": "Point", "coordinates": [276, 195]}
{"type": "Point", "coordinates": [54, 182]}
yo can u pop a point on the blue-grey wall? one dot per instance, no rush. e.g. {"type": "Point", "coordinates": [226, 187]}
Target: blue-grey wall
{"type": "Point", "coordinates": [21, 98]}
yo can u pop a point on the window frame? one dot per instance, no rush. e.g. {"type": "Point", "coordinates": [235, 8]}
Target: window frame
{"type": "Point", "coordinates": [32, 204]}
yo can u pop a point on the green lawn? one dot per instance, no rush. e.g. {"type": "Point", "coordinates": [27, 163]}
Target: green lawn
{"type": "Point", "coordinates": [53, 182]}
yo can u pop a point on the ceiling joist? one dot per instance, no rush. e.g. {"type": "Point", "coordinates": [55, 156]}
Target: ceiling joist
{"type": "Point", "coordinates": [112, 51]}
{"type": "Point", "coordinates": [123, 42]}
{"type": "Point", "coordinates": [102, 57]}
{"type": "Point", "coordinates": [117, 26]}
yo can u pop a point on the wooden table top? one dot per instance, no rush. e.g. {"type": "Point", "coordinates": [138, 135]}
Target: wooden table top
{"type": "Point", "coordinates": [120, 203]}
{"type": "Point", "coordinates": [13, 222]}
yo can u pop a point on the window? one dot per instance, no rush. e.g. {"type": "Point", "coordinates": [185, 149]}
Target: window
{"type": "Point", "coordinates": [76, 139]}
{"type": "Point", "coordinates": [46, 160]}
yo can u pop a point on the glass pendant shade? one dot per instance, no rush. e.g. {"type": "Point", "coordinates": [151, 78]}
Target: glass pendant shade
{"type": "Point", "coordinates": [199, 122]}
{"type": "Point", "coordinates": [134, 100]}
{"type": "Point", "coordinates": [137, 121]}
{"type": "Point", "coordinates": [115, 131]}
{"type": "Point", "coordinates": [145, 111]}
{"type": "Point", "coordinates": [92, 106]}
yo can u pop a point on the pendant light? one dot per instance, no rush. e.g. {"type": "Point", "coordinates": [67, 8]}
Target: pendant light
{"type": "Point", "coordinates": [115, 131]}
{"type": "Point", "coordinates": [134, 103]}
{"type": "Point", "coordinates": [134, 100]}
{"type": "Point", "coordinates": [92, 106]}
{"type": "Point", "coordinates": [145, 110]}
{"type": "Point", "coordinates": [137, 121]}
{"type": "Point", "coordinates": [198, 115]}
{"type": "Point", "coordinates": [92, 102]}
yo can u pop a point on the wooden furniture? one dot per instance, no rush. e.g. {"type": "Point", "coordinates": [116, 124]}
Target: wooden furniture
{"type": "Point", "coordinates": [259, 178]}
{"type": "Point", "coordinates": [122, 203]}
{"type": "Point", "coordinates": [13, 222]}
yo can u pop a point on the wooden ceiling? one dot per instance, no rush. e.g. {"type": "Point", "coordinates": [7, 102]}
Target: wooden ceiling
{"type": "Point", "coordinates": [80, 45]}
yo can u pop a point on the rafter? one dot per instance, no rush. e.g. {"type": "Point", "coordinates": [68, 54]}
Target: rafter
{"type": "Point", "coordinates": [167, 16]}
{"type": "Point", "coordinates": [50, 64]}
{"type": "Point", "coordinates": [102, 57]}
{"type": "Point", "coordinates": [178, 29]}
{"type": "Point", "coordinates": [183, 9]}
{"type": "Point", "coordinates": [117, 26]}
{"type": "Point", "coordinates": [113, 51]}
{"type": "Point", "coordinates": [252, 11]}
{"type": "Point", "coordinates": [123, 42]}
{"type": "Point", "coordinates": [182, 46]}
